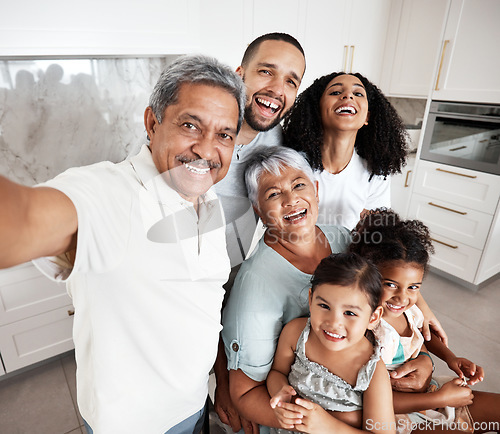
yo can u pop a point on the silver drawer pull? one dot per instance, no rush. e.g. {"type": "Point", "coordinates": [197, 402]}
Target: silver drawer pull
{"type": "Point", "coordinates": [447, 209]}
{"type": "Point", "coordinates": [456, 173]}
{"type": "Point", "coordinates": [445, 244]}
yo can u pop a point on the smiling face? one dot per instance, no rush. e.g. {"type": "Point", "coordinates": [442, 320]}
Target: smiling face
{"type": "Point", "coordinates": [344, 104]}
{"type": "Point", "coordinates": [340, 315]}
{"type": "Point", "coordinates": [287, 203]}
{"type": "Point", "coordinates": [272, 78]}
{"type": "Point", "coordinates": [193, 146]}
{"type": "Point", "coordinates": [400, 286]}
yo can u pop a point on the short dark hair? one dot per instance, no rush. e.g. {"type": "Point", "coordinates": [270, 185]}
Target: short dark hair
{"type": "Point", "coordinates": [381, 236]}
{"type": "Point", "coordinates": [276, 36]}
{"type": "Point", "coordinates": [346, 269]}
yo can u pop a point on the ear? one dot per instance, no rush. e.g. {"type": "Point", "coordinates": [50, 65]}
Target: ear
{"type": "Point", "coordinates": [240, 71]}
{"type": "Point", "coordinates": [375, 318]}
{"type": "Point", "coordinates": [310, 297]}
{"type": "Point", "coordinates": [367, 118]}
{"type": "Point", "coordinates": [150, 122]}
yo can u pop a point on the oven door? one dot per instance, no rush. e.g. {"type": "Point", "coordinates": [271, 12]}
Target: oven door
{"type": "Point", "coordinates": [462, 140]}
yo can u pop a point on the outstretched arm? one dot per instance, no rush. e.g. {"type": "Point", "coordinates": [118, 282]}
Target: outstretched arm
{"type": "Point", "coordinates": [34, 222]}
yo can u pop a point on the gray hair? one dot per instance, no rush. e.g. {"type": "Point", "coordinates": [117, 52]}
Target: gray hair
{"type": "Point", "coordinates": [272, 159]}
{"type": "Point", "coordinates": [195, 69]}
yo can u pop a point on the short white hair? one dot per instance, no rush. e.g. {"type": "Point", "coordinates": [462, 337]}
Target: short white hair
{"type": "Point", "coordinates": [272, 159]}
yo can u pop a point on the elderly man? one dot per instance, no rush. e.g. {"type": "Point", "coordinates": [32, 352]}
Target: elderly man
{"type": "Point", "coordinates": [141, 247]}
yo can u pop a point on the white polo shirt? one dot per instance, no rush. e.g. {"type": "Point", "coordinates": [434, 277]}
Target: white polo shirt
{"type": "Point", "coordinates": [147, 300]}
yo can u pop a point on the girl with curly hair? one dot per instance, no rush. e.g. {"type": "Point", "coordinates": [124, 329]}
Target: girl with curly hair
{"type": "Point", "coordinates": [353, 139]}
{"type": "Point", "coordinates": [400, 250]}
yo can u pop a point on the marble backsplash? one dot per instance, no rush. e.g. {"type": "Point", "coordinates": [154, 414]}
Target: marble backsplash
{"type": "Point", "coordinates": [60, 113]}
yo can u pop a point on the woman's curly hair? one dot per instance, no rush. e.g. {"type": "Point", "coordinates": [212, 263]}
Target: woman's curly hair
{"type": "Point", "coordinates": [381, 236]}
{"type": "Point", "coordinates": [382, 143]}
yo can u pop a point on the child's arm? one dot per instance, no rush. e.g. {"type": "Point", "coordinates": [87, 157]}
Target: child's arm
{"type": "Point", "coordinates": [277, 380]}
{"type": "Point", "coordinates": [461, 366]}
{"type": "Point", "coordinates": [430, 320]}
{"type": "Point", "coordinates": [453, 394]}
{"type": "Point", "coordinates": [378, 414]}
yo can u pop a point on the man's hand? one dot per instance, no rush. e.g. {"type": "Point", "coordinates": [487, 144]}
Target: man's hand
{"type": "Point", "coordinates": [413, 376]}
{"type": "Point", "coordinates": [229, 415]}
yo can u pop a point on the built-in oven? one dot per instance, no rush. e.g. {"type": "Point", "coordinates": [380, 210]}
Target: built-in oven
{"type": "Point", "coordinates": [463, 135]}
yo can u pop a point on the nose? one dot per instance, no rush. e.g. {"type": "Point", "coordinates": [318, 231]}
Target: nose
{"type": "Point", "coordinates": [347, 95]}
{"type": "Point", "coordinates": [277, 86]}
{"type": "Point", "coordinates": [205, 148]}
{"type": "Point", "coordinates": [290, 198]}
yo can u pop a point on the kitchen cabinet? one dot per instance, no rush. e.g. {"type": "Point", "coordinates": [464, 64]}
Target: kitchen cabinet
{"type": "Point", "coordinates": [36, 317]}
{"type": "Point", "coordinates": [400, 187]}
{"type": "Point", "coordinates": [345, 35]}
{"type": "Point", "coordinates": [412, 48]}
{"type": "Point", "coordinates": [460, 208]}
{"type": "Point", "coordinates": [469, 64]}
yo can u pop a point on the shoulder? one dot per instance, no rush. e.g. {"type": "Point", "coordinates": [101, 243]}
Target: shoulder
{"type": "Point", "coordinates": [415, 315]}
{"type": "Point", "coordinates": [339, 237]}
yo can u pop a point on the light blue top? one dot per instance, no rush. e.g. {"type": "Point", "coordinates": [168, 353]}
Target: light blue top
{"type": "Point", "coordinates": [268, 293]}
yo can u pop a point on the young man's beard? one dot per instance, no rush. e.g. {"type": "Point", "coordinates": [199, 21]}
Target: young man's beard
{"type": "Point", "coordinates": [253, 123]}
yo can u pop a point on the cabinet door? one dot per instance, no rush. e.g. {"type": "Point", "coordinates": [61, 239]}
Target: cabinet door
{"type": "Point", "coordinates": [37, 338]}
{"type": "Point", "coordinates": [25, 292]}
{"type": "Point", "coordinates": [368, 23]}
{"type": "Point", "coordinates": [400, 188]}
{"type": "Point", "coordinates": [470, 65]}
{"type": "Point", "coordinates": [418, 39]}
{"type": "Point", "coordinates": [325, 38]}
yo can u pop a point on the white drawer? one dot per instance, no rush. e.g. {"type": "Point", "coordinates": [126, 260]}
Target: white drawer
{"type": "Point", "coordinates": [455, 258]}
{"type": "Point", "coordinates": [463, 187]}
{"type": "Point", "coordinates": [464, 225]}
{"type": "Point", "coordinates": [25, 292]}
{"type": "Point", "coordinates": [37, 338]}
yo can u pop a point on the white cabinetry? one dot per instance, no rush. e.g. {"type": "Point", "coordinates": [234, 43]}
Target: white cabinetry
{"type": "Point", "coordinates": [413, 43]}
{"type": "Point", "coordinates": [459, 206]}
{"type": "Point", "coordinates": [346, 35]}
{"type": "Point", "coordinates": [469, 61]}
{"type": "Point", "coordinates": [400, 188]}
{"type": "Point", "coordinates": [36, 317]}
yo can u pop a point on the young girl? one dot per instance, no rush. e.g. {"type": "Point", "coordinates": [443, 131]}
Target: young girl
{"type": "Point", "coordinates": [326, 358]}
{"type": "Point", "coordinates": [400, 250]}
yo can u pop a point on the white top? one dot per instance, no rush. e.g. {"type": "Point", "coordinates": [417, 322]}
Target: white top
{"type": "Point", "coordinates": [147, 301]}
{"type": "Point", "coordinates": [240, 217]}
{"type": "Point", "coordinates": [342, 197]}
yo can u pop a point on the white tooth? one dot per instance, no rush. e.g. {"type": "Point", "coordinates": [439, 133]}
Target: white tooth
{"type": "Point", "coordinates": [197, 170]}
{"type": "Point", "coordinates": [334, 335]}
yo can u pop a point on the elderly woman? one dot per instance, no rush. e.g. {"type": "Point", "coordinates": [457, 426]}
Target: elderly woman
{"type": "Point", "coordinates": [272, 285]}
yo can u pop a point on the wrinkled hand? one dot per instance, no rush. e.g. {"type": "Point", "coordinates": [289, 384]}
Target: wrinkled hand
{"type": "Point", "coordinates": [414, 376]}
{"type": "Point", "coordinates": [316, 420]}
{"type": "Point", "coordinates": [228, 414]}
{"type": "Point", "coordinates": [284, 410]}
{"type": "Point", "coordinates": [455, 393]}
{"type": "Point", "coordinates": [464, 368]}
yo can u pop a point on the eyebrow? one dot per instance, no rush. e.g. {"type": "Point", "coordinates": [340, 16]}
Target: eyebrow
{"type": "Point", "coordinates": [274, 66]}
{"type": "Point", "coordinates": [345, 306]}
{"type": "Point", "coordinates": [395, 281]}
{"type": "Point", "coordinates": [274, 187]}
{"type": "Point", "coordinates": [342, 84]}
{"type": "Point", "coordinates": [198, 119]}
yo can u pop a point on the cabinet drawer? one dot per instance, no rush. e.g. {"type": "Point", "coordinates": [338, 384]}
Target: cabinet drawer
{"type": "Point", "coordinates": [463, 187]}
{"type": "Point", "coordinates": [25, 292]}
{"type": "Point", "coordinates": [455, 258]}
{"type": "Point", "coordinates": [37, 338]}
{"type": "Point", "coordinates": [460, 224]}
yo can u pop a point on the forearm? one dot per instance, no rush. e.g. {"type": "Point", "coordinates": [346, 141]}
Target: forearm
{"type": "Point", "coordinates": [254, 406]}
{"type": "Point", "coordinates": [220, 366]}
{"type": "Point", "coordinates": [439, 349]}
{"type": "Point", "coordinates": [275, 382]}
{"type": "Point", "coordinates": [406, 402]}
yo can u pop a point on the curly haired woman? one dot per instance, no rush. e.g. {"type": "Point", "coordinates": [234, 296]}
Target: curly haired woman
{"type": "Point", "coordinates": [353, 139]}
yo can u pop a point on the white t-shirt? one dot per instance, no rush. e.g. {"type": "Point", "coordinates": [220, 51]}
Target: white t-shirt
{"type": "Point", "coordinates": [240, 217]}
{"type": "Point", "coordinates": [147, 299]}
{"type": "Point", "coordinates": [342, 197]}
